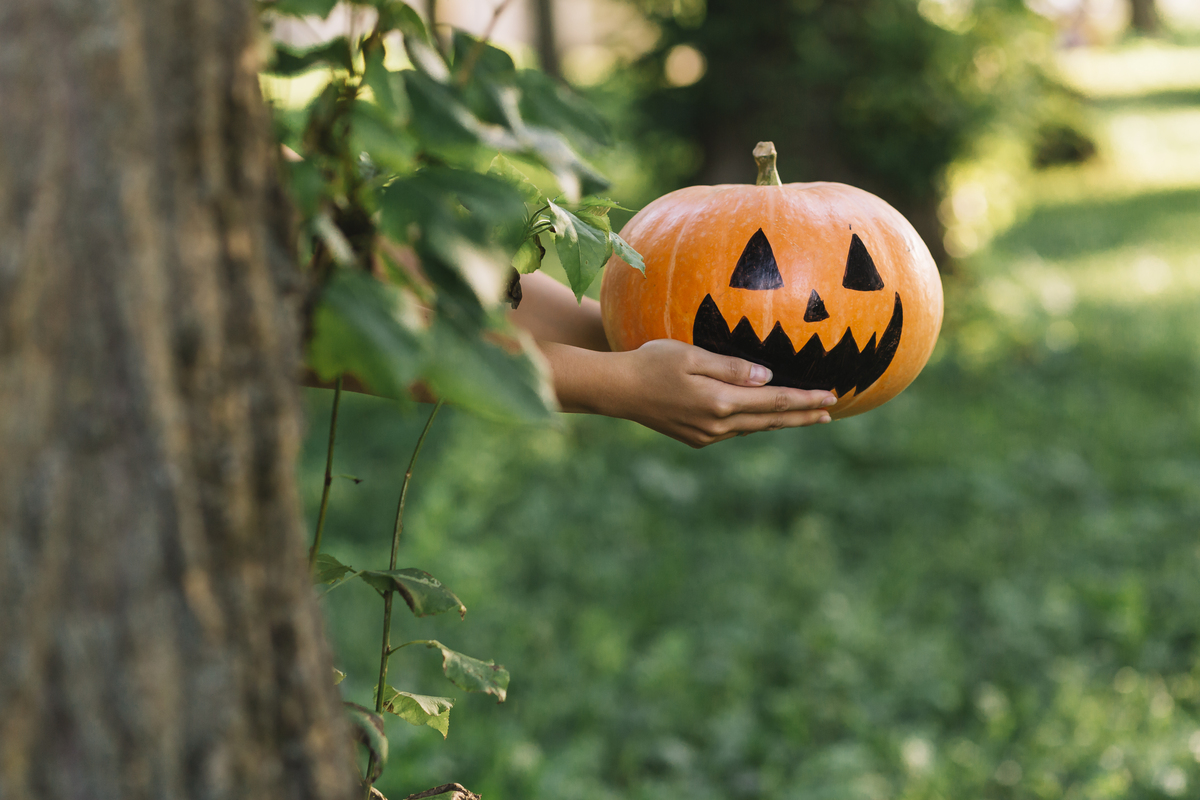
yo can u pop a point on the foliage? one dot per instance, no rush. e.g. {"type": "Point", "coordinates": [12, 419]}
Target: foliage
{"type": "Point", "coordinates": [415, 209]}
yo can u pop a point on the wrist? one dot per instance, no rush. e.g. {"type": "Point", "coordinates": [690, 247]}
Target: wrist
{"type": "Point", "coordinates": [587, 381]}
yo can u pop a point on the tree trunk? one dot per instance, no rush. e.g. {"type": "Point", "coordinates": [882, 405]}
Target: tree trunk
{"type": "Point", "coordinates": [546, 37]}
{"type": "Point", "coordinates": [158, 637]}
{"type": "Point", "coordinates": [1143, 16]}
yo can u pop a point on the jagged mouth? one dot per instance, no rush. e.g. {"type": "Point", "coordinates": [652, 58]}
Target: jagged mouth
{"type": "Point", "coordinates": [839, 370]}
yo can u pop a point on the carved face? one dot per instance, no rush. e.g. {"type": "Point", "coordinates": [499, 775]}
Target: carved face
{"type": "Point", "coordinates": [826, 285]}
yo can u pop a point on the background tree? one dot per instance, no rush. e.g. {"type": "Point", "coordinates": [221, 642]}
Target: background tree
{"type": "Point", "coordinates": [1143, 16]}
{"type": "Point", "coordinates": [880, 94]}
{"type": "Point", "coordinates": [546, 38]}
{"type": "Point", "coordinates": [158, 636]}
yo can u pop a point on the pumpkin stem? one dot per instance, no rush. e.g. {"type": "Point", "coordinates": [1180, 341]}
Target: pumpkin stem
{"type": "Point", "coordinates": [764, 156]}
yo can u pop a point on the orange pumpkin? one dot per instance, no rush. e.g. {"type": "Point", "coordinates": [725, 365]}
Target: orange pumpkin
{"type": "Point", "coordinates": [825, 284]}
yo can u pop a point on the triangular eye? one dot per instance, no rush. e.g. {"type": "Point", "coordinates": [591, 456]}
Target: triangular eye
{"type": "Point", "coordinates": [816, 308]}
{"type": "Point", "coordinates": [861, 275]}
{"type": "Point", "coordinates": [756, 269]}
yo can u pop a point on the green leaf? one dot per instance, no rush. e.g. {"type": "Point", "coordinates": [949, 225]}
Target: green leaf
{"type": "Point", "coordinates": [482, 269]}
{"type": "Point", "coordinates": [292, 61]}
{"type": "Point", "coordinates": [329, 569]}
{"type": "Point", "coordinates": [459, 215]}
{"type": "Point", "coordinates": [548, 147]}
{"type": "Point", "coordinates": [405, 202]}
{"type": "Point", "coordinates": [597, 218]}
{"type": "Point", "coordinates": [308, 186]}
{"type": "Point", "coordinates": [338, 676]}
{"type": "Point", "coordinates": [472, 674]}
{"type": "Point", "coordinates": [424, 593]}
{"type": "Point", "coordinates": [360, 327]}
{"type": "Point", "coordinates": [547, 102]}
{"type": "Point", "coordinates": [574, 175]}
{"type": "Point", "coordinates": [529, 257]}
{"type": "Point", "coordinates": [600, 205]}
{"type": "Point", "coordinates": [487, 379]}
{"type": "Point", "coordinates": [303, 8]}
{"type": "Point", "coordinates": [582, 248]}
{"type": "Point", "coordinates": [627, 254]}
{"type": "Point", "coordinates": [395, 15]}
{"type": "Point", "coordinates": [503, 169]}
{"type": "Point", "coordinates": [445, 125]}
{"type": "Point", "coordinates": [367, 727]}
{"type": "Point", "coordinates": [490, 197]}
{"type": "Point", "coordinates": [438, 118]}
{"type": "Point", "coordinates": [426, 58]}
{"type": "Point", "coordinates": [372, 131]}
{"type": "Point", "coordinates": [386, 86]}
{"type": "Point", "coordinates": [419, 709]}
{"type": "Point", "coordinates": [487, 62]}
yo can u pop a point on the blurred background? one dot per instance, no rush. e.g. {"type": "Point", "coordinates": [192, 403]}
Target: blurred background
{"type": "Point", "coordinates": [987, 588]}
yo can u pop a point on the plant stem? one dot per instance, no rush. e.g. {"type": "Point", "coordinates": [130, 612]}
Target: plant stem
{"type": "Point", "coordinates": [316, 546]}
{"type": "Point", "coordinates": [385, 651]}
{"type": "Point", "coordinates": [399, 527]}
{"type": "Point", "coordinates": [764, 156]}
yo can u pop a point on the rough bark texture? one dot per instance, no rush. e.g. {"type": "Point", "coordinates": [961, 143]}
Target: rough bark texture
{"type": "Point", "coordinates": [157, 634]}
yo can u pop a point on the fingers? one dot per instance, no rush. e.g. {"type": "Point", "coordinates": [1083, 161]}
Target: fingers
{"type": "Point", "coordinates": [700, 397]}
{"type": "Point", "coordinates": [739, 372]}
{"type": "Point", "coordinates": [714, 429]}
{"type": "Point", "coordinates": [753, 423]}
{"type": "Point", "coordinates": [728, 369]}
{"type": "Point", "coordinates": [769, 399]}
{"type": "Point", "coordinates": [740, 403]}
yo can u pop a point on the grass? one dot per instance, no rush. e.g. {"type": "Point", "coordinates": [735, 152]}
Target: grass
{"type": "Point", "coordinates": [985, 589]}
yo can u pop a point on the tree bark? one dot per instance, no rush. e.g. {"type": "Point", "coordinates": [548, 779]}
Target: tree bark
{"type": "Point", "coordinates": [158, 637]}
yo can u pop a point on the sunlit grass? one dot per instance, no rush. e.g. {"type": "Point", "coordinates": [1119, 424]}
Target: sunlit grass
{"type": "Point", "coordinates": [1145, 101]}
{"type": "Point", "coordinates": [1141, 68]}
{"type": "Point", "coordinates": [1143, 110]}
{"type": "Point", "coordinates": [1141, 148]}
{"type": "Point", "coordinates": [1124, 228]}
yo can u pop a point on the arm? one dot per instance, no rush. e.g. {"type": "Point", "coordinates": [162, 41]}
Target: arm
{"type": "Point", "coordinates": [549, 312]}
{"type": "Point", "coordinates": [674, 388]}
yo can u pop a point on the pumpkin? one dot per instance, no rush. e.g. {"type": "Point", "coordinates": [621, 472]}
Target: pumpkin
{"type": "Point", "coordinates": [826, 285]}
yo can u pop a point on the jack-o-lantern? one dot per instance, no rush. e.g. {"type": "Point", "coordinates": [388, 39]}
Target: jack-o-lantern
{"type": "Point", "coordinates": [825, 284]}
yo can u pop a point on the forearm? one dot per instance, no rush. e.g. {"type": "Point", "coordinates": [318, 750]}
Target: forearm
{"type": "Point", "coordinates": [586, 381]}
{"type": "Point", "coordinates": [549, 311]}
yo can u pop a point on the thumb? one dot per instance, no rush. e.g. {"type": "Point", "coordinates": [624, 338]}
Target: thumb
{"type": "Point", "coordinates": [728, 369]}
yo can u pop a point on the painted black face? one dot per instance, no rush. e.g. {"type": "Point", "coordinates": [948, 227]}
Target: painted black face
{"type": "Point", "coordinates": [841, 369]}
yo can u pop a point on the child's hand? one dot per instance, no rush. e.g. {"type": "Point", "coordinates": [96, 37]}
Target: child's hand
{"type": "Point", "coordinates": [683, 391]}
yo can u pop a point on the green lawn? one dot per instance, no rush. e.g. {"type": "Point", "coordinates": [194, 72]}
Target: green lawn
{"type": "Point", "coordinates": [987, 588]}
